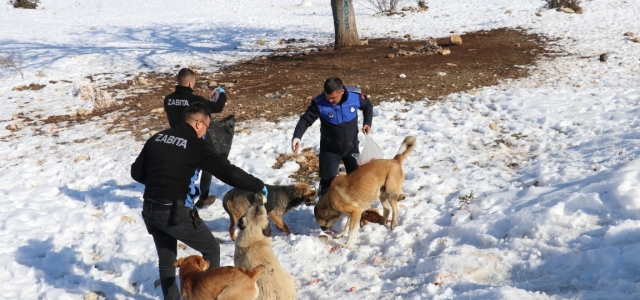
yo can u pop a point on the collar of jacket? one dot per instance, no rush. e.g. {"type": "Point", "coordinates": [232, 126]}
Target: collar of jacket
{"type": "Point", "coordinates": [181, 89]}
{"type": "Point", "coordinates": [188, 128]}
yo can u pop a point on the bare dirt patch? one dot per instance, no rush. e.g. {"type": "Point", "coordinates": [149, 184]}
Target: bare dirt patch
{"type": "Point", "coordinates": [283, 83]}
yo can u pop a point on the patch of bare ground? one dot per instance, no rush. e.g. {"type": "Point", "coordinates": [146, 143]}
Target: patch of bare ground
{"type": "Point", "coordinates": [283, 83]}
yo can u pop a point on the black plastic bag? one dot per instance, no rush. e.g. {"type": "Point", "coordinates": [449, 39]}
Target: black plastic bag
{"type": "Point", "coordinates": [221, 133]}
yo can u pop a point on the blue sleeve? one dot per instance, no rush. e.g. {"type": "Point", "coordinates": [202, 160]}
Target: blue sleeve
{"type": "Point", "coordinates": [367, 110]}
{"type": "Point", "coordinates": [307, 119]}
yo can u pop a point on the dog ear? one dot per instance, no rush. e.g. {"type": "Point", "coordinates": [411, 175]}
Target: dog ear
{"type": "Point", "coordinates": [267, 230]}
{"type": "Point", "coordinates": [178, 262]}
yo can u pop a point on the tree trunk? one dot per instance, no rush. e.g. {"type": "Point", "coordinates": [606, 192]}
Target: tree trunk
{"type": "Point", "coordinates": [344, 23]}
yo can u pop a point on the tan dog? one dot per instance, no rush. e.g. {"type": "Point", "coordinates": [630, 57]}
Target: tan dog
{"type": "Point", "coordinates": [354, 193]}
{"type": "Point", "coordinates": [253, 248]}
{"type": "Point", "coordinates": [280, 200]}
{"type": "Point", "coordinates": [232, 283]}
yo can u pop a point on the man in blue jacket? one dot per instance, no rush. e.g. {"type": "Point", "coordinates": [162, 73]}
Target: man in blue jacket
{"type": "Point", "coordinates": [337, 107]}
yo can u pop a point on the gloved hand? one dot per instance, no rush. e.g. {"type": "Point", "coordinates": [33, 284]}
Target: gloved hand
{"type": "Point", "coordinates": [265, 193]}
{"type": "Point", "coordinates": [215, 94]}
{"type": "Point", "coordinates": [295, 145]}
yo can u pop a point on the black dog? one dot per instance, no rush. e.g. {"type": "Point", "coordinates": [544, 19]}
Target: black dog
{"type": "Point", "coordinates": [280, 200]}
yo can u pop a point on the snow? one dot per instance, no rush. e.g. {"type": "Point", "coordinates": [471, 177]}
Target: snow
{"type": "Point", "coordinates": [555, 212]}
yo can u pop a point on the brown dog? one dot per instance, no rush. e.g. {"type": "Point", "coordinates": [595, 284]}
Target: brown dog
{"type": "Point", "coordinates": [198, 282]}
{"type": "Point", "coordinates": [280, 200]}
{"type": "Point", "coordinates": [253, 248]}
{"type": "Point", "coordinates": [353, 193]}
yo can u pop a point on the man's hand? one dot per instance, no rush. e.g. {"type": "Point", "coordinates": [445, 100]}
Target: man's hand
{"type": "Point", "coordinates": [295, 145]}
{"type": "Point", "coordinates": [366, 129]}
{"type": "Point", "coordinates": [204, 202]}
{"type": "Point", "coordinates": [215, 94]}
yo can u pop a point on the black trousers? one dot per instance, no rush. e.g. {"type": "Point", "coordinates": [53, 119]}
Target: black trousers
{"type": "Point", "coordinates": [329, 164]}
{"type": "Point", "coordinates": [166, 241]}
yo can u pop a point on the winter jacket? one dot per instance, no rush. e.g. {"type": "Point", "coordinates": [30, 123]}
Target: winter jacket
{"type": "Point", "coordinates": [338, 123]}
{"type": "Point", "coordinates": [176, 102]}
{"type": "Point", "coordinates": [169, 163]}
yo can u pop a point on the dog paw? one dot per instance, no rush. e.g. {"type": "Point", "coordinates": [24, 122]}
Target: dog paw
{"type": "Point", "coordinates": [338, 235]}
{"type": "Point", "coordinates": [344, 246]}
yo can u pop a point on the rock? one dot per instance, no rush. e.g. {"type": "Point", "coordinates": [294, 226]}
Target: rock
{"type": "Point", "coordinates": [213, 83]}
{"type": "Point", "coordinates": [102, 99]}
{"type": "Point", "coordinates": [394, 46]}
{"type": "Point", "coordinates": [81, 158]}
{"type": "Point", "coordinates": [408, 36]}
{"type": "Point", "coordinates": [538, 14]}
{"type": "Point", "coordinates": [307, 52]}
{"type": "Point", "coordinates": [83, 112]}
{"type": "Point", "coordinates": [445, 51]}
{"type": "Point", "coordinates": [245, 131]}
{"type": "Point", "coordinates": [228, 84]}
{"type": "Point", "coordinates": [18, 87]}
{"type": "Point", "coordinates": [636, 40]}
{"type": "Point", "coordinates": [451, 65]}
{"type": "Point", "coordinates": [629, 34]}
{"type": "Point", "coordinates": [442, 74]}
{"type": "Point", "coordinates": [82, 90]}
{"type": "Point", "coordinates": [567, 10]}
{"type": "Point", "coordinates": [456, 39]}
{"type": "Point", "coordinates": [126, 219]}
{"type": "Point", "coordinates": [138, 105]}
{"type": "Point", "coordinates": [402, 76]}
{"type": "Point", "coordinates": [111, 131]}
{"type": "Point", "coordinates": [260, 42]}
{"type": "Point", "coordinates": [302, 40]}
{"type": "Point", "coordinates": [143, 81]}
{"type": "Point", "coordinates": [153, 132]}
{"type": "Point", "coordinates": [493, 126]}
{"type": "Point", "coordinates": [136, 148]}
{"type": "Point", "coordinates": [15, 117]}
{"type": "Point", "coordinates": [508, 12]}
{"type": "Point", "coordinates": [94, 296]}
{"type": "Point", "coordinates": [12, 127]}
{"type": "Point", "coordinates": [406, 8]}
{"type": "Point", "coordinates": [604, 57]}
{"type": "Point", "coordinates": [391, 55]}
{"type": "Point", "coordinates": [364, 42]}
{"type": "Point", "coordinates": [157, 110]}
{"type": "Point", "coordinates": [393, 11]}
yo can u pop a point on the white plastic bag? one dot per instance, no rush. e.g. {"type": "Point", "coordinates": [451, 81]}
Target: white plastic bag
{"type": "Point", "coordinates": [370, 151]}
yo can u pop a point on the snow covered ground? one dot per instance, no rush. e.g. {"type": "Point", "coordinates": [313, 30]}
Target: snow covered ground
{"type": "Point", "coordinates": [551, 160]}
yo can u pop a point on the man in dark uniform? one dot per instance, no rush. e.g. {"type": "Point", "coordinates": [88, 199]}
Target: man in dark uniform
{"type": "Point", "coordinates": [168, 166]}
{"type": "Point", "coordinates": [183, 97]}
{"type": "Point", "coordinates": [337, 109]}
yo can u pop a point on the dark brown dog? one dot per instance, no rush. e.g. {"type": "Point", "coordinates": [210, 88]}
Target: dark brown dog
{"type": "Point", "coordinates": [233, 283]}
{"type": "Point", "coordinates": [280, 200]}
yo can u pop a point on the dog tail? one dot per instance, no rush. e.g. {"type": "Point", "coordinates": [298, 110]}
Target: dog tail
{"type": "Point", "coordinates": [405, 149]}
{"type": "Point", "coordinates": [256, 272]}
